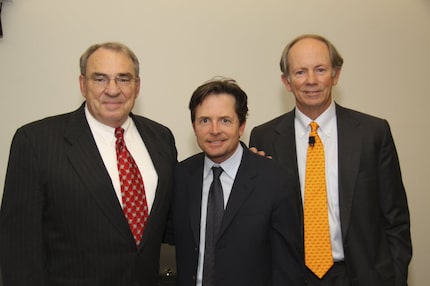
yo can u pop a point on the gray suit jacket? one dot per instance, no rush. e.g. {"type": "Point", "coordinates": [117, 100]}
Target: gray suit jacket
{"type": "Point", "coordinates": [259, 238]}
{"type": "Point", "coordinates": [61, 222]}
{"type": "Point", "coordinates": [373, 207]}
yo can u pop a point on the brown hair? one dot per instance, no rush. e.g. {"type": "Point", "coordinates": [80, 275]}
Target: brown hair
{"type": "Point", "coordinates": [219, 86]}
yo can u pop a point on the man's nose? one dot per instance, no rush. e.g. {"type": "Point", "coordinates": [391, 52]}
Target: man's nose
{"type": "Point", "coordinates": [112, 87]}
{"type": "Point", "coordinates": [215, 127]}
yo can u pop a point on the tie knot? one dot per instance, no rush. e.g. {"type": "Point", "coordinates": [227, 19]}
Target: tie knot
{"type": "Point", "coordinates": [119, 133]}
{"type": "Point", "coordinates": [314, 126]}
{"type": "Point", "coordinates": [217, 172]}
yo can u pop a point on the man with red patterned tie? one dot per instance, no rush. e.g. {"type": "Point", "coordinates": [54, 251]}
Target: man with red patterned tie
{"type": "Point", "coordinates": [70, 213]}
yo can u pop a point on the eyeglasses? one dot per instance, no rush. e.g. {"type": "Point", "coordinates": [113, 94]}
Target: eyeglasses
{"type": "Point", "coordinates": [102, 81]}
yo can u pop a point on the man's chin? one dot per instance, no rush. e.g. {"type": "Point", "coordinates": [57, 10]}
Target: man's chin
{"type": "Point", "coordinates": [215, 156]}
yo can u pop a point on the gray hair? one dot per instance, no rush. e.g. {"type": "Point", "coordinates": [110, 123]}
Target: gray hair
{"type": "Point", "coordinates": [335, 58]}
{"type": "Point", "coordinates": [115, 46]}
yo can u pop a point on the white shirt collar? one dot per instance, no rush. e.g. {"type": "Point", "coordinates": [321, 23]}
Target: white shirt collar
{"type": "Point", "coordinates": [103, 130]}
{"type": "Point", "coordinates": [324, 120]}
{"type": "Point", "coordinates": [230, 166]}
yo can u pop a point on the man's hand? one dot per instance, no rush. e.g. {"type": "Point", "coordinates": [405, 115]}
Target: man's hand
{"type": "Point", "coordinates": [261, 153]}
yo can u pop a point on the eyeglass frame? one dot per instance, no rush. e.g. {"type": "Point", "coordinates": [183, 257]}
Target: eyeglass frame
{"type": "Point", "coordinates": [121, 80]}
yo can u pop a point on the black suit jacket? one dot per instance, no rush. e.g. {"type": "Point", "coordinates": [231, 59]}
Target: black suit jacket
{"type": "Point", "coordinates": [61, 222]}
{"type": "Point", "coordinates": [373, 207]}
{"type": "Point", "coordinates": [259, 235]}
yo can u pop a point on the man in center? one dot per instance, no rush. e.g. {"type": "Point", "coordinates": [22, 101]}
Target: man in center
{"type": "Point", "coordinates": [235, 213]}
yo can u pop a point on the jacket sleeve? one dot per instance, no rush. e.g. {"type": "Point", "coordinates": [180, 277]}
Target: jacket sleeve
{"type": "Point", "coordinates": [22, 253]}
{"type": "Point", "coordinates": [394, 207]}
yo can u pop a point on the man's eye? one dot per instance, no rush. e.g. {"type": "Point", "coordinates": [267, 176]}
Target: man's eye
{"type": "Point", "coordinates": [100, 79]}
{"type": "Point", "coordinates": [123, 79]}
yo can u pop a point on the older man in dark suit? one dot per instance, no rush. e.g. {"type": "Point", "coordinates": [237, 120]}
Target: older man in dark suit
{"type": "Point", "coordinates": [70, 214]}
{"type": "Point", "coordinates": [245, 231]}
{"type": "Point", "coordinates": [366, 210]}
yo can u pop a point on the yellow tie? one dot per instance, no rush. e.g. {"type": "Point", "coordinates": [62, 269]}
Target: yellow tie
{"type": "Point", "coordinates": [318, 254]}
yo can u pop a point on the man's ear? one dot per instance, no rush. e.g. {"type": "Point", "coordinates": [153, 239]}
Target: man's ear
{"type": "Point", "coordinates": [336, 75]}
{"type": "Point", "coordinates": [137, 86]}
{"type": "Point", "coordinates": [193, 124]}
{"type": "Point", "coordinates": [82, 85]}
{"type": "Point", "coordinates": [242, 128]}
{"type": "Point", "coordinates": [286, 82]}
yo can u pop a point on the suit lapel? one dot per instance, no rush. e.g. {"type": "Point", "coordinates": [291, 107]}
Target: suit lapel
{"type": "Point", "coordinates": [163, 166]}
{"type": "Point", "coordinates": [152, 144]}
{"type": "Point", "coordinates": [86, 160]}
{"type": "Point", "coordinates": [195, 196]}
{"type": "Point", "coordinates": [286, 154]}
{"type": "Point", "coordinates": [349, 152]}
{"type": "Point", "coordinates": [243, 186]}
{"type": "Point", "coordinates": [284, 145]}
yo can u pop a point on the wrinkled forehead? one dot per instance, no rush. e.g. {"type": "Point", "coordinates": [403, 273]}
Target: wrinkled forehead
{"type": "Point", "coordinates": [110, 62]}
{"type": "Point", "coordinates": [309, 52]}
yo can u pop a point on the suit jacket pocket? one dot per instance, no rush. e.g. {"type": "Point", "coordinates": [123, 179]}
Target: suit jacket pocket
{"type": "Point", "coordinates": [385, 270]}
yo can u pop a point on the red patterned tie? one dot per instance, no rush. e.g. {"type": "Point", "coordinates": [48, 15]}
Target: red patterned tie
{"type": "Point", "coordinates": [132, 188]}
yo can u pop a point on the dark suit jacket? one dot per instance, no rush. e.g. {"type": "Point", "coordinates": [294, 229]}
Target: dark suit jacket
{"type": "Point", "coordinates": [61, 222]}
{"type": "Point", "coordinates": [373, 207]}
{"type": "Point", "coordinates": [259, 235]}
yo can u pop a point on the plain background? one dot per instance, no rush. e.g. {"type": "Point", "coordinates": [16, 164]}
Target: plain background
{"type": "Point", "coordinates": [183, 43]}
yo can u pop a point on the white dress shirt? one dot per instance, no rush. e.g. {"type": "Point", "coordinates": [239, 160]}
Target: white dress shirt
{"type": "Point", "coordinates": [105, 140]}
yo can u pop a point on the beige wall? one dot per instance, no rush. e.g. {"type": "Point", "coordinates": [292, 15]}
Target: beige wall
{"type": "Point", "coordinates": [385, 44]}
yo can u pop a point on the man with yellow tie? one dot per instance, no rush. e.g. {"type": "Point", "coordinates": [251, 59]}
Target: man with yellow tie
{"type": "Point", "coordinates": [355, 212]}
